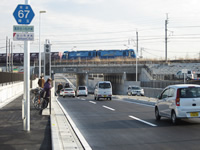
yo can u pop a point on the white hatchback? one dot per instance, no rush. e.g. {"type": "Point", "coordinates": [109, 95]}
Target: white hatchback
{"type": "Point", "coordinates": [178, 101]}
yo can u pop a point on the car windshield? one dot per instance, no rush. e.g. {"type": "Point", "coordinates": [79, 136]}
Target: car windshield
{"type": "Point", "coordinates": [136, 88]}
{"type": "Point", "coordinates": [81, 88]}
{"type": "Point", "coordinates": [68, 89]}
{"type": "Point", "coordinates": [191, 92]}
{"type": "Point", "coordinates": [104, 85]}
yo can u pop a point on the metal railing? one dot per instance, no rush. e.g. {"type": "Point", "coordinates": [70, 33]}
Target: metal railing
{"type": "Point", "coordinates": [7, 77]}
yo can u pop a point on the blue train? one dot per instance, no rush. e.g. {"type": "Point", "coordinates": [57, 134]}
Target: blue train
{"type": "Point", "coordinates": [102, 54]}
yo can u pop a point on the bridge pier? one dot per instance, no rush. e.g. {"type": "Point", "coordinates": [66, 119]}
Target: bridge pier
{"type": "Point", "coordinates": [81, 79]}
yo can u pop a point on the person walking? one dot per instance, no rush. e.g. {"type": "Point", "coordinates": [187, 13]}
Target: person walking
{"type": "Point", "coordinates": [41, 82]}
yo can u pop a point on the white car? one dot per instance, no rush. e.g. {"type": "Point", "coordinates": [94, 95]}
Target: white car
{"type": "Point", "coordinates": [178, 101]}
{"type": "Point", "coordinates": [82, 91]}
{"type": "Point", "coordinates": [69, 92]}
{"type": "Point", "coordinates": [135, 90]}
{"type": "Point", "coordinates": [103, 89]}
{"type": "Point", "coordinates": [61, 92]}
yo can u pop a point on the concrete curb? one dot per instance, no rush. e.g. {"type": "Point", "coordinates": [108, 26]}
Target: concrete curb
{"type": "Point", "coordinates": [62, 134]}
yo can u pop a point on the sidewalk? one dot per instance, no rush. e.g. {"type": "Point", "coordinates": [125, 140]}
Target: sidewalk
{"type": "Point", "coordinates": [12, 135]}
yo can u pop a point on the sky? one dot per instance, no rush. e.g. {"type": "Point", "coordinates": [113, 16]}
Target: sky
{"type": "Point", "coordinates": [110, 24]}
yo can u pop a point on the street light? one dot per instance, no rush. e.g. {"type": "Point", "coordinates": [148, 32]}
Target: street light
{"type": "Point", "coordinates": [40, 12]}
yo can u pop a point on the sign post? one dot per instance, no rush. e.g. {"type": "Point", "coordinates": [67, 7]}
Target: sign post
{"type": "Point", "coordinates": [24, 14]}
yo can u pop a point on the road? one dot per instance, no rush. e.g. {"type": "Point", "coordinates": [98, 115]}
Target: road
{"type": "Point", "coordinates": [122, 125]}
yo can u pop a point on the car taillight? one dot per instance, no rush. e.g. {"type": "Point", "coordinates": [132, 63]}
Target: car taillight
{"type": "Point", "coordinates": [178, 98]}
{"type": "Point", "coordinates": [72, 92]}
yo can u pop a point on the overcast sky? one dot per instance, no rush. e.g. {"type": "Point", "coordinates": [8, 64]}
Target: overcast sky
{"type": "Point", "coordinates": [110, 24]}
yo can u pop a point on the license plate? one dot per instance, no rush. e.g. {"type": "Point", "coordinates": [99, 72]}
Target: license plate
{"type": "Point", "coordinates": [105, 96]}
{"type": "Point", "coordinates": [194, 114]}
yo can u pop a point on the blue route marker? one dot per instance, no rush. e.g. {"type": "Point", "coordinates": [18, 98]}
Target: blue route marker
{"type": "Point", "coordinates": [23, 14]}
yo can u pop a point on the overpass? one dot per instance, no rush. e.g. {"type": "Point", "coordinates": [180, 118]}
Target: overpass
{"type": "Point", "coordinates": [116, 73]}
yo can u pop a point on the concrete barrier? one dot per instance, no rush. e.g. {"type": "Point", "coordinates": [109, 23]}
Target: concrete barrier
{"type": "Point", "coordinates": [10, 92]}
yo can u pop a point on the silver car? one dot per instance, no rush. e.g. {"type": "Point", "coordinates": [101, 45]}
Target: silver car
{"type": "Point", "coordinates": [135, 90]}
{"type": "Point", "coordinates": [178, 101]}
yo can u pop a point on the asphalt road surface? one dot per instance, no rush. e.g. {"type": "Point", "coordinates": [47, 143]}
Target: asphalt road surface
{"type": "Point", "coordinates": [122, 125]}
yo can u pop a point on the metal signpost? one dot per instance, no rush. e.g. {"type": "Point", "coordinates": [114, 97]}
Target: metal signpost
{"type": "Point", "coordinates": [24, 14]}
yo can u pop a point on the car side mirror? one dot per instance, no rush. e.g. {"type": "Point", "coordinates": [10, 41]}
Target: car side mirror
{"type": "Point", "coordinates": [159, 97]}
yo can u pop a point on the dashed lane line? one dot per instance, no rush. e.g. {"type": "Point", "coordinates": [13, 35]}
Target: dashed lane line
{"type": "Point", "coordinates": [151, 124]}
{"type": "Point", "coordinates": [108, 108]}
{"type": "Point", "coordinates": [92, 102]}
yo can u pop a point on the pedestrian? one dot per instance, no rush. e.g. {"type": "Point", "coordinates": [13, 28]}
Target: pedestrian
{"type": "Point", "coordinates": [46, 94]}
{"type": "Point", "coordinates": [60, 87]}
{"type": "Point", "coordinates": [41, 82]}
{"type": "Point", "coordinates": [47, 90]}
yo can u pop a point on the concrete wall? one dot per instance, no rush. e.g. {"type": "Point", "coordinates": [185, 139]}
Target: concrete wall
{"type": "Point", "coordinates": [152, 92]}
{"type": "Point", "coordinates": [12, 91]}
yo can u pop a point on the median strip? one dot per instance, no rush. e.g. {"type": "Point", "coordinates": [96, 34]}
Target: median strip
{"type": "Point", "coordinates": [151, 124]}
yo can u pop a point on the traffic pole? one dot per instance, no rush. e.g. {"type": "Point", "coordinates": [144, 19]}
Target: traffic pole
{"type": "Point", "coordinates": [26, 121]}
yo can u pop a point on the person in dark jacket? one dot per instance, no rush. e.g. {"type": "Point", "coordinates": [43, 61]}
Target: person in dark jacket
{"type": "Point", "coordinates": [47, 92]}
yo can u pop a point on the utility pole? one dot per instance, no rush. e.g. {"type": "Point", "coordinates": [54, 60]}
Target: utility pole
{"type": "Point", "coordinates": [11, 56]}
{"type": "Point", "coordinates": [166, 22]}
{"type": "Point", "coordinates": [6, 54]}
{"type": "Point", "coordinates": [136, 56]}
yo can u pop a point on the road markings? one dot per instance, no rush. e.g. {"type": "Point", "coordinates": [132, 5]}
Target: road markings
{"type": "Point", "coordinates": [151, 124]}
{"type": "Point", "coordinates": [108, 108]}
{"type": "Point", "coordinates": [83, 99]}
{"type": "Point", "coordinates": [92, 102]}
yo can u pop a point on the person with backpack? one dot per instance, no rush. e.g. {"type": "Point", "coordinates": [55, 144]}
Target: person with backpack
{"type": "Point", "coordinates": [41, 82]}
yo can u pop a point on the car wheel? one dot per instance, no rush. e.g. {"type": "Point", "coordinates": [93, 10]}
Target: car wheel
{"type": "Point", "coordinates": [157, 114]}
{"type": "Point", "coordinates": [173, 117]}
{"type": "Point", "coordinates": [95, 98]}
{"type": "Point", "coordinates": [110, 98]}
{"type": "Point", "coordinates": [63, 96]}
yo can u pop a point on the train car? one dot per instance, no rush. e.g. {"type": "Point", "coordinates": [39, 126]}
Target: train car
{"type": "Point", "coordinates": [79, 54]}
{"type": "Point", "coordinates": [18, 57]}
{"type": "Point", "coordinates": [107, 54]}
{"type": "Point", "coordinates": [55, 55]}
{"type": "Point", "coordinates": [102, 54]}
{"type": "Point", "coordinates": [3, 58]}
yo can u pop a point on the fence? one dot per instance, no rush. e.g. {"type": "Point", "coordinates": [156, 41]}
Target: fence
{"type": "Point", "coordinates": [7, 77]}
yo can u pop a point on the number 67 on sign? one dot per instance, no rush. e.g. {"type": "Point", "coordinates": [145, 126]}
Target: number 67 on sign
{"type": "Point", "coordinates": [23, 14]}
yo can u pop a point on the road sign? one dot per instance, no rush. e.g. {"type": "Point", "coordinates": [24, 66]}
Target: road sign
{"type": "Point", "coordinates": [23, 14]}
{"type": "Point", "coordinates": [23, 36]}
{"type": "Point", "coordinates": [23, 28]}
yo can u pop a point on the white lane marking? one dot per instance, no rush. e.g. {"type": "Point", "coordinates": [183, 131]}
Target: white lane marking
{"type": "Point", "coordinates": [108, 108]}
{"type": "Point", "coordinates": [92, 102]}
{"type": "Point", "coordinates": [83, 99]}
{"type": "Point", "coordinates": [80, 136]}
{"type": "Point", "coordinates": [151, 124]}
